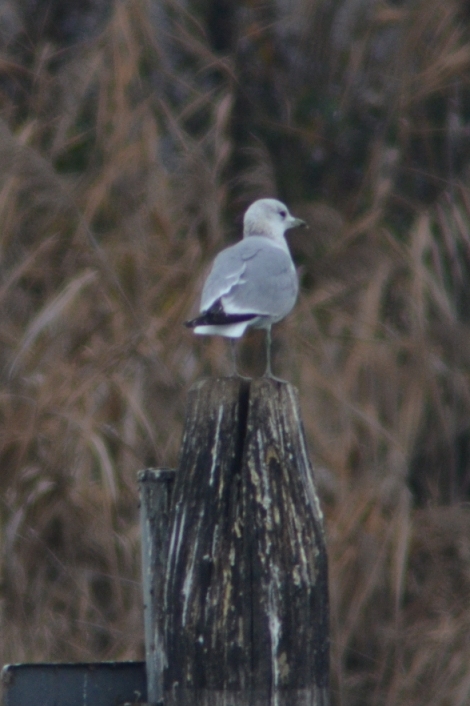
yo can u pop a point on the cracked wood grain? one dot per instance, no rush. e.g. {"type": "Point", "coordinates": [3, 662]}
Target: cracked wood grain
{"type": "Point", "coordinates": [245, 599]}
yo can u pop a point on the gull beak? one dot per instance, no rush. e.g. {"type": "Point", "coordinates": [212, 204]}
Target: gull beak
{"type": "Point", "coordinates": [296, 222]}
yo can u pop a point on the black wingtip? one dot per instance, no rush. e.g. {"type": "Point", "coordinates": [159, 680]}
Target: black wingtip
{"type": "Point", "coordinates": [216, 316]}
{"type": "Point", "coordinates": [218, 319]}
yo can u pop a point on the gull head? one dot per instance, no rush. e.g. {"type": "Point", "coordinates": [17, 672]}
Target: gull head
{"type": "Point", "coordinates": [269, 218]}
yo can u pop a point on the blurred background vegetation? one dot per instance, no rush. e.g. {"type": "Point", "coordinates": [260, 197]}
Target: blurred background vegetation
{"type": "Point", "coordinates": [132, 136]}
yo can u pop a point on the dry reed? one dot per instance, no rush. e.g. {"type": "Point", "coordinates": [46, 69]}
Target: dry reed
{"type": "Point", "coordinates": [124, 159]}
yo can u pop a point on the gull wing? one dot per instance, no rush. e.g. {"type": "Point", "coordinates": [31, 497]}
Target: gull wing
{"type": "Point", "coordinates": [255, 276]}
{"type": "Point", "coordinates": [268, 285]}
{"type": "Point", "coordinates": [227, 271]}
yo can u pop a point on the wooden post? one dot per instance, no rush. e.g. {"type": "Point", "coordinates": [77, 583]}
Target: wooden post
{"type": "Point", "coordinates": [155, 487]}
{"type": "Point", "coordinates": [245, 613]}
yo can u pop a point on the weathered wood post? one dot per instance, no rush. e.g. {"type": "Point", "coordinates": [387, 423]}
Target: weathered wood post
{"type": "Point", "coordinates": [155, 486]}
{"type": "Point", "coordinates": [245, 600]}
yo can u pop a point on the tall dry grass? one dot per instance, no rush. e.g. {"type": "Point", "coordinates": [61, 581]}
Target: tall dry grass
{"type": "Point", "coordinates": [126, 156]}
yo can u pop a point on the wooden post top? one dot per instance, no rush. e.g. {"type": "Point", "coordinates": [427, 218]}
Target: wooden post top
{"type": "Point", "coordinates": [245, 597]}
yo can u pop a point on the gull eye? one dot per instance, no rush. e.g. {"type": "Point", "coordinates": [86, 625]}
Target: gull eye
{"type": "Point", "coordinates": [283, 214]}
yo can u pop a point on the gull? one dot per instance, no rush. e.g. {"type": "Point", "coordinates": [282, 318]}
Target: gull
{"type": "Point", "coordinates": [254, 282]}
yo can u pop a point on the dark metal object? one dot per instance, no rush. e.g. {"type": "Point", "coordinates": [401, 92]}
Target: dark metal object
{"type": "Point", "coordinates": [100, 684]}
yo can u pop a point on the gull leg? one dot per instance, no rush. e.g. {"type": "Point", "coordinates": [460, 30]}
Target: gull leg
{"type": "Point", "coordinates": [235, 373]}
{"type": "Point", "coordinates": [268, 373]}
{"type": "Point", "coordinates": [233, 351]}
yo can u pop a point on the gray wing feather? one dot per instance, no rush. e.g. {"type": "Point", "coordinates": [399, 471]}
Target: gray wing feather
{"type": "Point", "coordinates": [254, 277]}
{"type": "Point", "coordinates": [226, 271]}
